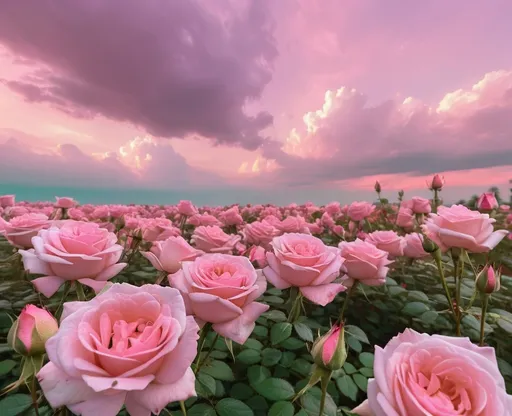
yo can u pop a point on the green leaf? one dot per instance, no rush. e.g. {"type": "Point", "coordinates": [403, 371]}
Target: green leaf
{"type": "Point", "coordinates": [349, 368]}
{"type": "Point", "coordinates": [429, 317]}
{"type": "Point", "coordinates": [15, 404]}
{"type": "Point", "coordinates": [311, 403]}
{"type": "Point", "coordinates": [361, 381]}
{"type": "Point", "coordinates": [258, 404]}
{"type": "Point", "coordinates": [347, 387]}
{"type": "Point", "coordinates": [415, 308]}
{"type": "Point", "coordinates": [205, 385]}
{"type": "Point", "coordinates": [276, 300]}
{"type": "Point", "coordinates": [417, 295]}
{"type": "Point", "coordinates": [270, 357]}
{"type": "Point", "coordinates": [505, 368]}
{"type": "Point", "coordinates": [241, 391]}
{"type": "Point", "coordinates": [367, 372]}
{"type": "Point", "coordinates": [287, 359]}
{"type": "Point", "coordinates": [275, 389]}
{"type": "Point", "coordinates": [201, 409]}
{"type": "Point", "coordinates": [219, 370]}
{"type": "Point", "coordinates": [366, 359]}
{"type": "Point", "coordinates": [260, 331]}
{"type": "Point", "coordinates": [256, 374]}
{"type": "Point", "coordinates": [253, 344]}
{"type": "Point", "coordinates": [231, 407]}
{"type": "Point", "coordinates": [357, 333]}
{"type": "Point", "coordinates": [354, 344]}
{"type": "Point", "coordinates": [281, 409]}
{"type": "Point", "coordinates": [292, 344]}
{"type": "Point", "coordinates": [280, 332]}
{"type": "Point", "coordinates": [303, 331]}
{"type": "Point", "coordinates": [6, 366]}
{"type": "Point", "coordinates": [505, 325]}
{"type": "Point", "coordinates": [302, 366]}
{"type": "Point", "coordinates": [275, 315]}
{"type": "Point", "coordinates": [249, 357]}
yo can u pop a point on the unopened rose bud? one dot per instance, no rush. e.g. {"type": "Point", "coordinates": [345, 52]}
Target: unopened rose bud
{"type": "Point", "coordinates": [437, 182]}
{"type": "Point", "coordinates": [31, 330]}
{"type": "Point", "coordinates": [329, 351]}
{"type": "Point", "coordinates": [429, 246]}
{"type": "Point", "coordinates": [400, 194]}
{"type": "Point", "coordinates": [488, 281]}
{"type": "Point", "coordinates": [377, 187]}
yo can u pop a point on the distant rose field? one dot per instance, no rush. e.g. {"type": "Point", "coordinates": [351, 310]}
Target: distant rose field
{"type": "Point", "coordinates": [373, 308]}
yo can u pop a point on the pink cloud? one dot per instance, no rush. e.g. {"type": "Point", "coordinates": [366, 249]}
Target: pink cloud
{"type": "Point", "coordinates": [147, 63]}
{"type": "Point", "coordinates": [349, 138]}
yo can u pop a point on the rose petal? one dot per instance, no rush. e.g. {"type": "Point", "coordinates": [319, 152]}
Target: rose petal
{"type": "Point", "coordinates": [241, 328]}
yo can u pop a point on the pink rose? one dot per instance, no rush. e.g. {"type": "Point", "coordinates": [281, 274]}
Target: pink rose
{"type": "Point", "coordinates": [29, 333]}
{"type": "Point", "coordinates": [222, 289]}
{"type": "Point", "coordinates": [504, 208]}
{"type": "Point", "coordinates": [167, 255]}
{"type": "Point", "coordinates": [338, 230]}
{"type": "Point", "coordinates": [76, 214]}
{"type": "Point", "coordinates": [259, 233]}
{"type": "Point", "coordinates": [358, 211]}
{"type": "Point", "coordinates": [437, 182]}
{"type": "Point", "coordinates": [20, 230]}
{"type": "Point", "coordinates": [388, 241]}
{"type": "Point", "coordinates": [421, 374]}
{"type": "Point", "coordinates": [487, 202]}
{"type": "Point", "coordinates": [131, 223]}
{"type": "Point", "coordinates": [458, 226]}
{"type": "Point", "coordinates": [421, 205]}
{"type": "Point", "coordinates": [7, 201]}
{"type": "Point", "coordinates": [414, 246]}
{"type": "Point", "coordinates": [333, 208]}
{"type": "Point", "coordinates": [304, 261]}
{"type": "Point", "coordinates": [327, 220]}
{"type": "Point", "coordinates": [65, 202]}
{"type": "Point", "coordinates": [158, 229]}
{"type": "Point", "coordinates": [100, 212]}
{"type": "Point", "coordinates": [293, 225]}
{"type": "Point", "coordinates": [16, 211]}
{"type": "Point", "coordinates": [364, 262]}
{"type": "Point", "coordinates": [76, 251]}
{"type": "Point", "coordinates": [205, 219]}
{"type": "Point", "coordinates": [212, 239]}
{"type": "Point", "coordinates": [231, 216]}
{"type": "Point", "coordinates": [186, 208]}
{"type": "Point", "coordinates": [405, 218]}
{"type": "Point", "coordinates": [257, 254]}
{"type": "Point", "coordinates": [315, 227]}
{"type": "Point", "coordinates": [129, 345]}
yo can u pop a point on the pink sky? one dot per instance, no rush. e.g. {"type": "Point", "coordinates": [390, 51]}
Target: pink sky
{"type": "Point", "coordinates": [256, 93]}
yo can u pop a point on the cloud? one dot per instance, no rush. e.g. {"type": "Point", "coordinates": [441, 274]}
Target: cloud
{"type": "Point", "coordinates": [348, 138]}
{"type": "Point", "coordinates": [143, 162]}
{"type": "Point", "coordinates": [175, 68]}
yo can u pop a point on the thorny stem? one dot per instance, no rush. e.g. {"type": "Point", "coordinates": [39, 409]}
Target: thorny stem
{"type": "Point", "coordinates": [33, 392]}
{"type": "Point", "coordinates": [200, 363]}
{"type": "Point", "coordinates": [485, 300]}
{"type": "Point", "coordinates": [439, 264]}
{"type": "Point", "coordinates": [345, 304]}
{"type": "Point", "coordinates": [458, 263]}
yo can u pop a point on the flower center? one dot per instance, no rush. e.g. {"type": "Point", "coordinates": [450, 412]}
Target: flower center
{"type": "Point", "coordinates": [126, 338]}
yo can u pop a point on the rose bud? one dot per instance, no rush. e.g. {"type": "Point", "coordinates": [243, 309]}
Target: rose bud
{"type": "Point", "coordinates": [437, 182]}
{"type": "Point", "coordinates": [488, 281]}
{"type": "Point", "coordinates": [329, 350]}
{"type": "Point", "coordinates": [377, 187]}
{"type": "Point", "coordinates": [429, 246]}
{"type": "Point", "coordinates": [31, 330]}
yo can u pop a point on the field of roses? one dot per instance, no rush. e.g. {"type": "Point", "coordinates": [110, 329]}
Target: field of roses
{"type": "Point", "coordinates": [373, 308]}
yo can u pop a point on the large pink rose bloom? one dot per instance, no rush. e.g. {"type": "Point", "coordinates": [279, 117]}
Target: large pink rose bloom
{"type": "Point", "coordinates": [65, 202]}
{"type": "Point", "coordinates": [388, 241]}
{"type": "Point", "coordinates": [167, 255]}
{"type": "Point", "coordinates": [421, 374]}
{"type": "Point", "coordinates": [293, 224]}
{"type": "Point", "coordinates": [129, 345]}
{"type": "Point", "coordinates": [304, 261]}
{"type": "Point", "coordinates": [7, 201]}
{"type": "Point", "coordinates": [458, 226]}
{"type": "Point", "coordinates": [421, 205]}
{"type": "Point", "coordinates": [358, 211]}
{"type": "Point", "coordinates": [73, 251]}
{"type": "Point", "coordinates": [364, 262]}
{"type": "Point", "coordinates": [260, 233]}
{"type": "Point", "coordinates": [20, 230]}
{"type": "Point", "coordinates": [414, 246]}
{"type": "Point", "coordinates": [158, 229]}
{"type": "Point", "coordinates": [222, 289]}
{"type": "Point", "coordinates": [212, 239]}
